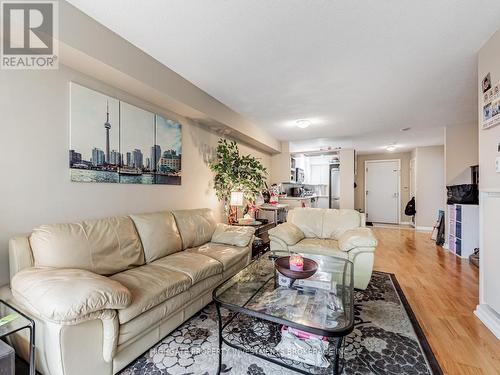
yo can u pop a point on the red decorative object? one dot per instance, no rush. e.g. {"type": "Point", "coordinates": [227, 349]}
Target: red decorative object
{"type": "Point", "coordinates": [296, 262]}
{"type": "Point", "coordinates": [282, 264]}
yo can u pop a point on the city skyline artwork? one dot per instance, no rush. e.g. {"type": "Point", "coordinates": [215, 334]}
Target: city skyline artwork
{"type": "Point", "coordinates": [112, 141]}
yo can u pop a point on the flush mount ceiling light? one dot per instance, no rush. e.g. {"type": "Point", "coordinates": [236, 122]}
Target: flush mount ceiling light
{"type": "Point", "coordinates": [391, 148]}
{"type": "Point", "coordinates": [303, 123]}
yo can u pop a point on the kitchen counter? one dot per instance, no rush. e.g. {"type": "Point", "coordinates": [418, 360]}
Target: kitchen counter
{"type": "Point", "coordinates": [299, 198]}
{"type": "Point", "coordinates": [294, 202]}
{"type": "Point", "coordinates": [268, 206]}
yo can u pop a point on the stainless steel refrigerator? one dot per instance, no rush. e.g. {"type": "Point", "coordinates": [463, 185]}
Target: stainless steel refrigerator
{"type": "Point", "coordinates": [334, 193]}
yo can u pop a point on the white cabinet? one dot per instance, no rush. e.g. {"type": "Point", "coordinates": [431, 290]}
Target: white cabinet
{"type": "Point", "coordinates": [323, 202]}
{"type": "Point", "coordinates": [319, 174]}
{"type": "Point", "coordinates": [463, 229]}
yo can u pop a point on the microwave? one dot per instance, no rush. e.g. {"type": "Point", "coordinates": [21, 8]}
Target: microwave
{"type": "Point", "coordinates": [299, 175]}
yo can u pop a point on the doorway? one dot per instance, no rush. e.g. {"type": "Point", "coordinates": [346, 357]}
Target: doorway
{"type": "Point", "coordinates": [413, 178]}
{"type": "Point", "coordinates": [413, 185]}
{"type": "Point", "coordinates": [382, 191]}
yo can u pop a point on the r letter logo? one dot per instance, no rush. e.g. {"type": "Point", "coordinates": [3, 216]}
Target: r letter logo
{"type": "Point", "coordinates": [30, 35]}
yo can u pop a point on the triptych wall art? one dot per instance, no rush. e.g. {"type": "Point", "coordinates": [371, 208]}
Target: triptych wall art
{"type": "Point", "coordinates": [115, 142]}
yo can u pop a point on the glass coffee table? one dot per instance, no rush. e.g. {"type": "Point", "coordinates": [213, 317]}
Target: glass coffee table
{"type": "Point", "coordinates": [263, 307]}
{"type": "Point", "coordinates": [12, 321]}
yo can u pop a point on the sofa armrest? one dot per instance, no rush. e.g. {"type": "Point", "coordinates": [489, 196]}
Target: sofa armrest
{"type": "Point", "coordinates": [359, 237]}
{"type": "Point", "coordinates": [287, 232]}
{"type": "Point", "coordinates": [68, 296]}
{"type": "Point", "coordinates": [233, 235]}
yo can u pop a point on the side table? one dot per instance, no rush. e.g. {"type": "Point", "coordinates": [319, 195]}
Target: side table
{"type": "Point", "coordinates": [12, 321]}
{"type": "Point", "coordinates": [273, 212]}
{"type": "Point", "coordinates": [261, 245]}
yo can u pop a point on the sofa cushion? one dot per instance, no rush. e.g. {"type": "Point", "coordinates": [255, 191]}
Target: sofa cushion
{"type": "Point", "coordinates": [195, 226]}
{"type": "Point", "coordinates": [287, 232]}
{"type": "Point", "coordinates": [68, 295]}
{"type": "Point", "coordinates": [237, 267]}
{"type": "Point", "coordinates": [104, 246]}
{"type": "Point", "coordinates": [150, 285]}
{"type": "Point", "coordinates": [198, 267]}
{"type": "Point", "coordinates": [142, 323]}
{"type": "Point", "coordinates": [164, 311]}
{"type": "Point", "coordinates": [309, 221]}
{"type": "Point", "coordinates": [159, 234]}
{"type": "Point", "coordinates": [225, 254]}
{"type": "Point", "coordinates": [318, 246]}
{"type": "Point", "coordinates": [359, 237]}
{"type": "Point", "coordinates": [233, 235]}
{"type": "Point", "coordinates": [336, 222]}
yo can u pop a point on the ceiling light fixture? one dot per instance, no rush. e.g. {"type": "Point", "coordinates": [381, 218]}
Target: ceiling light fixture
{"type": "Point", "coordinates": [391, 148]}
{"type": "Point", "coordinates": [303, 123]}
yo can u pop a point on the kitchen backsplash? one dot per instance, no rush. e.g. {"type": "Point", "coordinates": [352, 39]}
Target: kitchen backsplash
{"type": "Point", "coordinates": [286, 188]}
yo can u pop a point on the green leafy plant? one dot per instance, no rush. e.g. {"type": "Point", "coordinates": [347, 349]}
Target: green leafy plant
{"type": "Point", "coordinates": [234, 172]}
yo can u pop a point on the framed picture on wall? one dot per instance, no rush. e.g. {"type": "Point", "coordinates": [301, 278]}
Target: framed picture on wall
{"type": "Point", "coordinates": [112, 141]}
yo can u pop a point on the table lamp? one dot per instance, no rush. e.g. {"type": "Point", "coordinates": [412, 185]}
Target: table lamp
{"type": "Point", "coordinates": [237, 199]}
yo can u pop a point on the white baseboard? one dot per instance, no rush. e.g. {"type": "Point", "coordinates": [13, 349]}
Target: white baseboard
{"type": "Point", "coordinates": [405, 223]}
{"type": "Point", "coordinates": [424, 229]}
{"type": "Point", "coordinates": [489, 318]}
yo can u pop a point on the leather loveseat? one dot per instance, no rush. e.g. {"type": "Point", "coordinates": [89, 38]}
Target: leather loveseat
{"type": "Point", "coordinates": [102, 292]}
{"type": "Point", "coordinates": [340, 233]}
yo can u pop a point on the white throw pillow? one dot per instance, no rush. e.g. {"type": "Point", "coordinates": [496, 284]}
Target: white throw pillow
{"type": "Point", "coordinates": [233, 235]}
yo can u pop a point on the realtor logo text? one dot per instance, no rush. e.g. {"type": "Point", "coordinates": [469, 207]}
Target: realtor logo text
{"type": "Point", "coordinates": [30, 31]}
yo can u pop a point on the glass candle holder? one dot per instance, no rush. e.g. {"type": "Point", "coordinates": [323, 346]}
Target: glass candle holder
{"type": "Point", "coordinates": [296, 262]}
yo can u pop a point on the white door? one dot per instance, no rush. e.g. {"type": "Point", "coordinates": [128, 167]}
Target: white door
{"type": "Point", "coordinates": [382, 191]}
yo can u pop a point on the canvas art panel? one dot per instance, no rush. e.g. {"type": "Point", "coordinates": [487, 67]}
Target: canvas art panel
{"type": "Point", "coordinates": [168, 151]}
{"type": "Point", "coordinates": [113, 141]}
{"type": "Point", "coordinates": [94, 136]}
{"type": "Point", "coordinates": [137, 136]}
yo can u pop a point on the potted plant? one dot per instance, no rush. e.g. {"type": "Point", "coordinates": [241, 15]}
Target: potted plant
{"type": "Point", "coordinates": [236, 173]}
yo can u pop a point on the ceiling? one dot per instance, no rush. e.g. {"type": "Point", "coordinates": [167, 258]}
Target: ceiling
{"type": "Point", "coordinates": [360, 70]}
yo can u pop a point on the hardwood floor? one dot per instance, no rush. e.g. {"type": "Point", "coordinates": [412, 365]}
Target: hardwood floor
{"type": "Point", "coordinates": [443, 292]}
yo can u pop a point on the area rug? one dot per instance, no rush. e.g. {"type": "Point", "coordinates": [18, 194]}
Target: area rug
{"type": "Point", "coordinates": [386, 340]}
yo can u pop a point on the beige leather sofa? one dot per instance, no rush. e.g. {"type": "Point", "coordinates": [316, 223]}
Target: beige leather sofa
{"type": "Point", "coordinates": [102, 292]}
{"type": "Point", "coordinates": [333, 232]}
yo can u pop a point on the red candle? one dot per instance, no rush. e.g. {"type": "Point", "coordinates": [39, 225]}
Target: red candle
{"type": "Point", "coordinates": [296, 262]}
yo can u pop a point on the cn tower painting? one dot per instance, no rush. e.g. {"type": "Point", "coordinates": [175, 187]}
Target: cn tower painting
{"type": "Point", "coordinates": [107, 126]}
{"type": "Point", "coordinates": [112, 141]}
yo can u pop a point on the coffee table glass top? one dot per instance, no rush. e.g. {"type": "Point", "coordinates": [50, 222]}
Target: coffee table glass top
{"type": "Point", "coordinates": [11, 320]}
{"type": "Point", "coordinates": [322, 304]}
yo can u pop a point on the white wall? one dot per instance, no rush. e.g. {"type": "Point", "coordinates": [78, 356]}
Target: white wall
{"type": "Point", "coordinates": [430, 185]}
{"type": "Point", "coordinates": [35, 185]}
{"type": "Point", "coordinates": [461, 152]}
{"type": "Point", "coordinates": [281, 166]}
{"type": "Point", "coordinates": [488, 309]}
{"type": "Point", "coordinates": [346, 157]}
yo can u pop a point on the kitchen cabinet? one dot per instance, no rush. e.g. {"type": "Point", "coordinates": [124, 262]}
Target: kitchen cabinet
{"type": "Point", "coordinates": [319, 174]}
{"type": "Point", "coordinates": [323, 201]}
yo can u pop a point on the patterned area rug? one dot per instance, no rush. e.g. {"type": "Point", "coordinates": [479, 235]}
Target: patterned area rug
{"type": "Point", "coordinates": [386, 340]}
